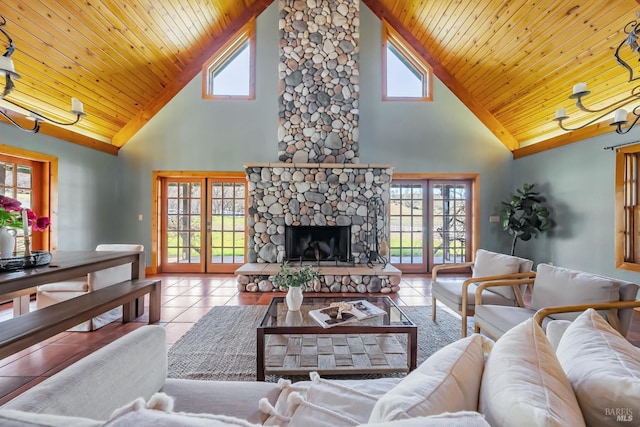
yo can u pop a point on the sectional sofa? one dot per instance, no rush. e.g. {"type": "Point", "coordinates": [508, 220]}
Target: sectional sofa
{"type": "Point", "coordinates": [592, 378]}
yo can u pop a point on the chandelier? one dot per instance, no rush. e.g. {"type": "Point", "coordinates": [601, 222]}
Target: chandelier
{"type": "Point", "coordinates": [8, 70]}
{"type": "Point", "coordinates": [632, 30]}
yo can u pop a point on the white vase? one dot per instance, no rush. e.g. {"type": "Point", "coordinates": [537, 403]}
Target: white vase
{"type": "Point", "coordinates": [7, 242]}
{"type": "Point", "coordinates": [293, 318]}
{"type": "Point", "coordinates": [294, 298]}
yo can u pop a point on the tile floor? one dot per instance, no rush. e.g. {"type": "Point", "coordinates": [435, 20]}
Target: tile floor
{"type": "Point", "coordinates": [185, 299]}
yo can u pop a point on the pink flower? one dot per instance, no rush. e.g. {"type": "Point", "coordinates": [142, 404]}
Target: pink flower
{"type": "Point", "coordinates": [11, 215]}
{"type": "Point", "coordinates": [9, 204]}
{"type": "Point", "coordinates": [41, 223]}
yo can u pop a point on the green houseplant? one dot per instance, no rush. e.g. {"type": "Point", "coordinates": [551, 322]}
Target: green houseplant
{"type": "Point", "coordinates": [294, 279]}
{"type": "Point", "coordinates": [525, 215]}
{"type": "Point", "coordinates": [289, 277]}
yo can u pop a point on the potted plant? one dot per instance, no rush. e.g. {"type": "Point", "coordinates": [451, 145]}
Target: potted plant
{"type": "Point", "coordinates": [294, 279]}
{"type": "Point", "coordinates": [525, 216]}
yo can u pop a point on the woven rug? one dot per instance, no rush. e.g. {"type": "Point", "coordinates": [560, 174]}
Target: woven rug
{"type": "Point", "coordinates": [222, 345]}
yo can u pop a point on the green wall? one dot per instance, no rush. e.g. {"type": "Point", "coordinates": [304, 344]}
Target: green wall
{"type": "Point", "coordinates": [101, 196]}
{"type": "Point", "coordinates": [194, 134]}
{"type": "Point", "coordinates": [579, 182]}
{"type": "Point", "coordinates": [87, 189]}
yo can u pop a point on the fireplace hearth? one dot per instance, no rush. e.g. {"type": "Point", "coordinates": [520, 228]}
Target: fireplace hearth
{"type": "Point", "coordinates": [318, 243]}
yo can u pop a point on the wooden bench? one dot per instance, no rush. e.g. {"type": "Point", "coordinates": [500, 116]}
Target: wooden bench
{"type": "Point", "coordinates": [31, 328]}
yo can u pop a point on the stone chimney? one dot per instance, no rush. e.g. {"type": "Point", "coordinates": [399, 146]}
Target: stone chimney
{"type": "Point", "coordinates": [318, 179]}
{"type": "Point", "coordinates": [319, 81]}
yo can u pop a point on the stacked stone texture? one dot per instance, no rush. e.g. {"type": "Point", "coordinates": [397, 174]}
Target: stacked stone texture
{"type": "Point", "coordinates": [319, 81]}
{"type": "Point", "coordinates": [310, 195]}
{"type": "Point", "coordinates": [327, 283]}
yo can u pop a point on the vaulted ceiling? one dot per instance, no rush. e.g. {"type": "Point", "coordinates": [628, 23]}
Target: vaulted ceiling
{"type": "Point", "coordinates": [512, 62]}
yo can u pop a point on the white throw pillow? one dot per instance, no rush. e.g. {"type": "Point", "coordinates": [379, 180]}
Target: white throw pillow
{"type": "Point", "coordinates": [489, 263]}
{"type": "Point", "coordinates": [448, 381]}
{"type": "Point", "coordinates": [327, 394]}
{"type": "Point", "coordinates": [523, 383]}
{"type": "Point", "coordinates": [555, 329]}
{"type": "Point", "coordinates": [157, 413]}
{"type": "Point", "coordinates": [456, 419]}
{"type": "Point", "coordinates": [13, 418]}
{"type": "Point", "coordinates": [555, 286]}
{"type": "Point", "coordinates": [331, 403]}
{"type": "Point", "coordinates": [495, 264]}
{"type": "Point", "coordinates": [604, 370]}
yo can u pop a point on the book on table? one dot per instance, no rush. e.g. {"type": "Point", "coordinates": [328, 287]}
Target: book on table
{"type": "Point", "coordinates": [337, 314]}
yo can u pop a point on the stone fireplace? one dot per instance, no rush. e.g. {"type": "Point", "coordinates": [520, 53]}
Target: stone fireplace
{"type": "Point", "coordinates": [320, 244]}
{"type": "Point", "coordinates": [309, 195]}
{"type": "Point", "coordinates": [313, 205]}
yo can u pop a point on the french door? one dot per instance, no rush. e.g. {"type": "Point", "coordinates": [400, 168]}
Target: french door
{"type": "Point", "coordinates": [202, 224]}
{"type": "Point", "coordinates": [430, 223]}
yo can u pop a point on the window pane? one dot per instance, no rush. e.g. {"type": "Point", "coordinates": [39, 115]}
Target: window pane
{"type": "Point", "coordinates": [233, 77]}
{"type": "Point", "coordinates": [403, 80]}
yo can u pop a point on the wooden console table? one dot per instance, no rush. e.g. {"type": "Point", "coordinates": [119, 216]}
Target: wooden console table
{"type": "Point", "coordinates": [66, 265]}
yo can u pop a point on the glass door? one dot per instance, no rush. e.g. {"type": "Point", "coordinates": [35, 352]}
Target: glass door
{"type": "Point", "coordinates": [430, 223]}
{"type": "Point", "coordinates": [203, 224]}
{"type": "Point", "coordinates": [450, 222]}
{"type": "Point", "coordinates": [227, 225]}
{"type": "Point", "coordinates": [408, 219]}
{"type": "Point", "coordinates": [183, 227]}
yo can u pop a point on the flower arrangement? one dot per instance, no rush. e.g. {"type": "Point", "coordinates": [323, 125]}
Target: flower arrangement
{"type": "Point", "coordinates": [294, 278]}
{"type": "Point", "coordinates": [11, 215]}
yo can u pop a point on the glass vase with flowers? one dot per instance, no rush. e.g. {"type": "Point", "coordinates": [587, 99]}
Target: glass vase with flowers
{"type": "Point", "coordinates": [13, 216]}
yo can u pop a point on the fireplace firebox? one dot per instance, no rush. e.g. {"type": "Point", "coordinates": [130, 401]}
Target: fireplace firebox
{"type": "Point", "coordinates": [318, 243]}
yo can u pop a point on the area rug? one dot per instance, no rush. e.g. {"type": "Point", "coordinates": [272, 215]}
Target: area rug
{"type": "Point", "coordinates": [222, 345]}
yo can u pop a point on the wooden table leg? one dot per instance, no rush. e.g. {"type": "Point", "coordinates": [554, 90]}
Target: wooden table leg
{"type": "Point", "coordinates": [412, 349]}
{"type": "Point", "coordinates": [129, 312]}
{"type": "Point", "coordinates": [21, 305]}
{"type": "Point", "coordinates": [155, 303]}
{"type": "Point", "coordinates": [260, 355]}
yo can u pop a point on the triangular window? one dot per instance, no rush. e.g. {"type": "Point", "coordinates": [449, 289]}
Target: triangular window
{"type": "Point", "coordinates": [229, 73]}
{"type": "Point", "coordinates": [406, 77]}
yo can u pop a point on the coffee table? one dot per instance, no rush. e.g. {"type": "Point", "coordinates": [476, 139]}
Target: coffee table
{"type": "Point", "coordinates": [292, 343]}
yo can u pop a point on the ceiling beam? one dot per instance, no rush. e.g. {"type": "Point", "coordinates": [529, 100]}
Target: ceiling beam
{"type": "Point", "coordinates": [186, 75]}
{"type": "Point", "coordinates": [564, 139]}
{"type": "Point", "coordinates": [449, 80]}
{"type": "Point", "coordinates": [66, 134]}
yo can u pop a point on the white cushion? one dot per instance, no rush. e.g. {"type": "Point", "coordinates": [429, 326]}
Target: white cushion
{"type": "Point", "coordinates": [331, 403]}
{"type": "Point", "coordinates": [93, 386]}
{"type": "Point", "coordinates": [456, 419]}
{"type": "Point", "coordinates": [157, 413]}
{"type": "Point", "coordinates": [328, 394]}
{"type": "Point", "coordinates": [554, 330]}
{"type": "Point", "coordinates": [448, 381]}
{"type": "Point", "coordinates": [79, 285]}
{"type": "Point", "coordinates": [556, 286]}
{"type": "Point", "coordinates": [13, 418]}
{"type": "Point", "coordinates": [495, 264]}
{"type": "Point", "coordinates": [523, 383]}
{"type": "Point", "coordinates": [604, 370]}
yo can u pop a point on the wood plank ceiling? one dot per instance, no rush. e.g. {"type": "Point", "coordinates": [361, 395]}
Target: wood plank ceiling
{"type": "Point", "coordinates": [513, 62]}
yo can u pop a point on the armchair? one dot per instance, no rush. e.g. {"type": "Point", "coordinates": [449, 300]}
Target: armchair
{"type": "Point", "coordinates": [52, 293]}
{"type": "Point", "coordinates": [459, 295]}
{"type": "Point", "coordinates": [559, 294]}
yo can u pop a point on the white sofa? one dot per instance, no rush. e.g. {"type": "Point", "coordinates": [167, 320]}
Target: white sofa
{"type": "Point", "coordinates": [593, 378]}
